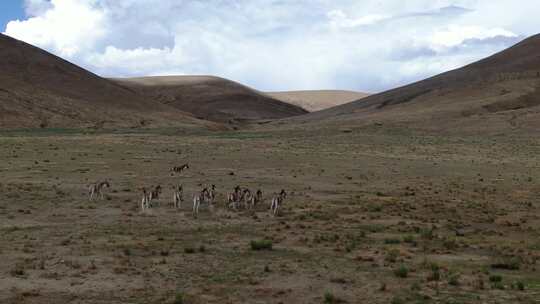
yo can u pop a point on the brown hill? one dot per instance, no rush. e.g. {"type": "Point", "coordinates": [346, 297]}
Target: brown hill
{"type": "Point", "coordinates": [40, 89]}
{"type": "Point", "coordinates": [316, 100]}
{"type": "Point", "coordinates": [498, 93]}
{"type": "Point", "coordinates": [211, 98]}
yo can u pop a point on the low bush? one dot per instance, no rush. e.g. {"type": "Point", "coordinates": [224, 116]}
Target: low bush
{"type": "Point", "coordinates": [401, 271]}
{"type": "Point", "coordinates": [261, 245]}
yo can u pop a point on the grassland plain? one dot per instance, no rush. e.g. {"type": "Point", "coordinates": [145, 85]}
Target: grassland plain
{"type": "Point", "coordinates": [374, 215]}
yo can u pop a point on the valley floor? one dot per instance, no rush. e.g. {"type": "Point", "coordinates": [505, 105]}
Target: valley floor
{"type": "Point", "coordinates": [374, 215]}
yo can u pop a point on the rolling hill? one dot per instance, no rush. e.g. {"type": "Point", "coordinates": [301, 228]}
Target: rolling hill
{"type": "Point", "coordinates": [495, 94]}
{"type": "Point", "coordinates": [38, 89]}
{"type": "Point", "coordinates": [316, 100]}
{"type": "Point", "coordinates": [211, 98]}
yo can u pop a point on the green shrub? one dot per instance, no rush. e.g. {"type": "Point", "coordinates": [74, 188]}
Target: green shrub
{"type": "Point", "coordinates": [397, 300]}
{"type": "Point", "coordinates": [416, 286]}
{"type": "Point", "coordinates": [450, 243]}
{"type": "Point", "coordinates": [427, 234]}
{"type": "Point", "coordinates": [509, 264]}
{"type": "Point", "coordinates": [495, 278]}
{"type": "Point", "coordinates": [401, 272]}
{"type": "Point", "coordinates": [179, 298]}
{"type": "Point", "coordinates": [329, 298]}
{"type": "Point", "coordinates": [392, 255]}
{"type": "Point", "coordinates": [392, 241]}
{"type": "Point", "coordinates": [454, 279]}
{"type": "Point", "coordinates": [435, 274]}
{"type": "Point", "coordinates": [408, 239]}
{"type": "Point", "coordinates": [497, 285]}
{"type": "Point", "coordinates": [189, 250]}
{"type": "Point", "coordinates": [261, 245]}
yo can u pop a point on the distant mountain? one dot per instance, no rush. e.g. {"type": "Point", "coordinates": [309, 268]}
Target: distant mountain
{"type": "Point", "coordinates": [316, 100]}
{"type": "Point", "coordinates": [498, 93]}
{"type": "Point", "coordinates": [38, 89]}
{"type": "Point", "coordinates": [211, 98]}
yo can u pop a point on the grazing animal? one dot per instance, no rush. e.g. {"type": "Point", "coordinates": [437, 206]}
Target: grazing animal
{"type": "Point", "coordinates": [145, 201]}
{"type": "Point", "coordinates": [212, 194]}
{"type": "Point", "coordinates": [257, 198]}
{"type": "Point", "coordinates": [247, 198]}
{"type": "Point", "coordinates": [178, 196]}
{"type": "Point", "coordinates": [233, 198]}
{"type": "Point", "coordinates": [96, 190]}
{"type": "Point", "coordinates": [277, 201]}
{"type": "Point", "coordinates": [198, 199]}
{"type": "Point", "coordinates": [149, 197]}
{"type": "Point", "coordinates": [154, 194]}
{"type": "Point", "coordinates": [179, 169]}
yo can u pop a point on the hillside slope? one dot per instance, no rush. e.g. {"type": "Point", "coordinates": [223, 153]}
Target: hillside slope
{"type": "Point", "coordinates": [38, 89]}
{"type": "Point", "coordinates": [316, 100]}
{"type": "Point", "coordinates": [211, 98]}
{"type": "Point", "coordinates": [493, 94]}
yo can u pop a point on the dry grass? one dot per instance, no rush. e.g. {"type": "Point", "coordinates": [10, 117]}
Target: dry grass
{"type": "Point", "coordinates": [455, 212]}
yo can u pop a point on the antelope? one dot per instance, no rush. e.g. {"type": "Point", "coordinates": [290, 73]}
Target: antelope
{"type": "Point", "coordinates": [212, 194]}
{"type": "Point", "coordinates": [249, 199]}
{"type": "Point", "coordinates": [201, 197]}
{"type": "Point", "coordinates": [96, 189]}
{"type": "Point", "coordinates": [255, 199]}
{"type": "Point", "coordinates": [148, 197]}
{"type": "Point", "coordinates": [234, 198]}
{"type": "Point", "coordinates": [179, 169]}
{"type": "Point", "coordinates": [277, 201]}
{"type": "Point", "coordinates": [178, 196]}
{"type": "Point", "coordinates": [154, 194]}
{"type": "Point", "coordinates": [246, 198]}
{"type": "Point", "coordinates": [145, 201]}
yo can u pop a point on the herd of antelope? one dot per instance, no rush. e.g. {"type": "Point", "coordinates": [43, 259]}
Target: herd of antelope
{"type": "Point", "coordinates": [239, 198]}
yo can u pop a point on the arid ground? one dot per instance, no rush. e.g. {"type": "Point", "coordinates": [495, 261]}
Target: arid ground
{"type": "Point", "coordinates": [374, 215]}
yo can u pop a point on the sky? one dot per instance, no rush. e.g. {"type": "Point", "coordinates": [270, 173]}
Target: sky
{"type": "Point", "coordinates": [272, 45]}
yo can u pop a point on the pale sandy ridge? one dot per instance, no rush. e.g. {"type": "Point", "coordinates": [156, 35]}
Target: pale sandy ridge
{"type": "Point", "coordinates": [316, 100]}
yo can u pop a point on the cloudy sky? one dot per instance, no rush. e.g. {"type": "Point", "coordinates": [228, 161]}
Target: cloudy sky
{"type": "Point", "coordinates": [366, 45]}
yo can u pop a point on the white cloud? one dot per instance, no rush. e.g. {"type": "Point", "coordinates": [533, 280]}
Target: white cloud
{"type": "Point", "coordinates": [67, 28]}
{"type": "Point", "coordinates": [456, 35]}
{"type": "Point", "coordinates": [338, 19]}
{"type": "Point", "coordinates": [276, 45]}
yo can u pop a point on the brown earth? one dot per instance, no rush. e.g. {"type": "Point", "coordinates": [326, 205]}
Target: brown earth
{"type": "Point", "coordinates": [496, 94]}
{"type": "Point", "coordinates": [211, 98]}
{"type": "Point", "coordinates": [316, 100]}
{"type": "Point", "coordinates": [38, 89]}
{"type": "Point", "coordinates": [376, 215]}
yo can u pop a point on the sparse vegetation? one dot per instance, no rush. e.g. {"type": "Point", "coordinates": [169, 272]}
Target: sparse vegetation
{"type": "Point", "coordinates": [330, 298]}
{"type": "Point", "coordinates": [392, 255]}
{"type": "Point", "coordinates": [179, 298]}
{"type": "Point", "coordinates": [392, 241]}
{"type": "Point", "coordinates": [401, 272]}
{"type": "Point", "coordinates": [189, 250]}
{"type": "Point", "coordinates": [261, 245]}
{"type": "Point", "coordinates": [397, 300]}
{"type": "Point", "coordinates": [453, 279]}
{"type": "Point", "coordinates": [334, 231]}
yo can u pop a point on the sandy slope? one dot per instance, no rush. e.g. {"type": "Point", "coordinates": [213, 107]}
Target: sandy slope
{"type": "Point", "coordinates": [316, 100]}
